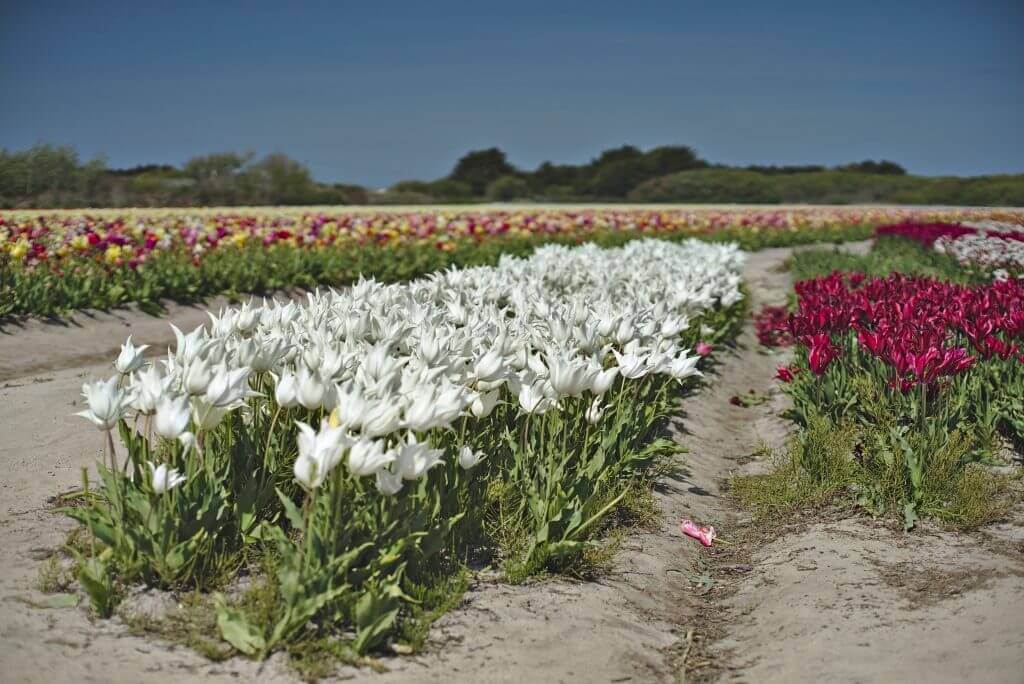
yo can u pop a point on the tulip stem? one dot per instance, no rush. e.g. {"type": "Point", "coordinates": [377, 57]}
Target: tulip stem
{"type": "Point", "coordinates": [270, 431]}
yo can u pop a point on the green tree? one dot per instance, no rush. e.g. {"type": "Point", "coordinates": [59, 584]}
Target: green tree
{"type": "Point", "coordinates": [480, 168]}
{"type": "Point", "coordinates": [662, 161]}
{"type": "Point", "coordinates": [508, 188]}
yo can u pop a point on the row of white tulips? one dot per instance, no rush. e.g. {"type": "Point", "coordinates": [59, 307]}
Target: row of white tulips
{"type": "Point", "coordinates": [388, 361]}
{"type": "Point", "coordinates": [350, 430]}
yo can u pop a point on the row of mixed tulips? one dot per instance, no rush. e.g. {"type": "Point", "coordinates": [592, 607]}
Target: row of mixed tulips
{"type": "Point", "coordinates": [993, 247]}
{"type": "Point", "coordinates": [923, 358]}
{"type": "Point", "coordinates": [52, 262]}
{"type": "Point", "coordinates": [373, 438]}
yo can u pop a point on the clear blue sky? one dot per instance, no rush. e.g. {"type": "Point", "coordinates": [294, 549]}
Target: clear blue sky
{"type": "Point", "coordinates": [374, 92]}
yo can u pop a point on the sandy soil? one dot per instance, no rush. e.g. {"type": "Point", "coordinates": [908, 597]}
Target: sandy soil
{"type": "Point", "coordinates": [845, 601]}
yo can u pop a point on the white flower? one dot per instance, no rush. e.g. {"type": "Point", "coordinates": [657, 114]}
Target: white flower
{"type": "Point", "coordinates": [367, 456]}
{"type": "Point", "coordinates": [206, 415]}
{"type": "Point", "coordinates": [469, 458]}
{"type": "Point", "coordinates": [311, 390]}
{"type": "Point", "coordinates": [172, 416]}
{"type": "Point", "coordinates": [164, 479]}
{"type": "Point", "coordinates": [228, 388]}
{"type": "Point", "coordinates": [415, 459]}
{"type": "Point", "coordinates": [147, 387]}
{"type": "Point", "coordinates": [632, 366]}
{"type": "Point", "coordinates": [130, 359]}
{"type": "Point", "coordinates": [595, 411]}
{"type": "Point", "coordinates": [568, 377]}
{"type": "Point", "coordinates": [429, 407]}
{"type": "Point", "coordinates": [388, 483]}
{"type": "Point", "coordinates": [198, 375]}
{"type": "Point", "coordinates": [603, 380]}
{"type": "Point", "coordinates": [484, 402]}
{"type": "Point", "coordinates": [684, 367]}
{"type": "Point", "coordinates": [489, 367]}
{"type": "Point", "coordinates": [350, 409]}
{"type": "Point", "coordinates": [188, 346]}
{"type": "Point", "coordinates": [286, 391]}
{"type": "Point", "coordinates": [319, 453]}
{"type": "Point", "coordinates": [381, 418]}
{"type": "Point", "coordinates": [532, 398]}
{"type": "Point", "coordinates": [107, 403]}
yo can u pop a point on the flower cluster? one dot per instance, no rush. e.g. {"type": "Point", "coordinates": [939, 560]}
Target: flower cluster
{"type": "Point", "coordinates": [923, 329]}
{"type": "Point", "coordinates": [987, 244]}
{"type": "Point", "coordinates": [993, 253]}
{"type": "Point", "coordinates": [389, 362]}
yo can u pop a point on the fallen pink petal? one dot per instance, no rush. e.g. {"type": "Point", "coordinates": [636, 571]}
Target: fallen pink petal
{"type": "Point", "coordinates": [705, 534]}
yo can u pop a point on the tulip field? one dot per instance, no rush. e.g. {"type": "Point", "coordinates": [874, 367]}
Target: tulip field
{"type": "Point", "coordinates": [56, 262]}
{"type": "Point", "coordinates": [424, 396]}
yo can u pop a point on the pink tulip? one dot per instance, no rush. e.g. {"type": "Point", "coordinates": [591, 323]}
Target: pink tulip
{"type": "Point", "coordinates": [705, 534]}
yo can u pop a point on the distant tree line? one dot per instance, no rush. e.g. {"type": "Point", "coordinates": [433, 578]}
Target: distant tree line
{"type": "Point", "coordinates": [49, 176]}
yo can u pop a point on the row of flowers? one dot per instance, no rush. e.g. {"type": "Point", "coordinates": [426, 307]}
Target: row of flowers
{"type": "Point", "coordinates": [55, 262]}
{"type": "Point", "coordinates": [922, 329]}
{"type": "Point", "coordinates": [129, 237]}
{"type": "Point", "coordinates": [919, 368]}
{"type": "Point", "coordinates": [373, 436]}
{"type": "Point", "coordinates": [990, 246]}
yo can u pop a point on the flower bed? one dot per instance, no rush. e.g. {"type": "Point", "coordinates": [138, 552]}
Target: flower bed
{"type": "Point", "coordinates": [924, 376]}
{"type": "Point", "coordinates": [366, 443]}
{"type": "Point", "coordinates": [53, 262]}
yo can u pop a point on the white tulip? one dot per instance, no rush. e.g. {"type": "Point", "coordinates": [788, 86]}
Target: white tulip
{"type": "Point", "coordinates": [381, 418]}
{"type": "Point", "coordinates": [532, 398]}
{"type": "Point", "coordinates": [172, 416]}
{"type": "Point", "coordinates": [489, 367]}
{"type": "Point", "coordinates": [286, 390]}
{"type": "Point", "coordinates": [319, 453]}
{"type": "Point", "coordinates": [367, 456]}
{"type": "Point", "coordinates": [198, 375]}
{"type": "Point", "coordinates": [632, 366]}
{"type": "Point", "coordinates": [188, 346]}
{"type": "Point", "coordinates": [147, 387]}
{"type": "Point", "coordinates": [228, 388]}
{"type": "Point", "coordinates": [388, 483]}
{"type": "Point", "coordinates": [684, 367]}
{"type": "Point", "coordinates": [350, 408]}
{"type": "Point", "coordinates": [206, 415]}
{"type": "Point", "coordinates": [164, 479]}
{"type": "Point", "coordinates": [595, 411]}
{"type": "Point", "coordinates": [107, 403]}
{"type": "Point", "coordinates": [130, 359]}
{"type": "Point", "coordinates": [469, 458]}
{"type": "Point", "coordinates": [311, 390]}
{"type": "Point", "coordinates": [484, 403]}
{"type": "Point", "coordinates": [603, 380]}
{"type": "Point", "coordinates": [414, 459]}
{"type": "Point", "coordinates": [569, 377]}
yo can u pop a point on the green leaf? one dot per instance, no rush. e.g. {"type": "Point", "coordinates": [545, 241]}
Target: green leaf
{"type": "Point", "coordinates": [909, 515]}
{"type": "Point", "coordinates": [236, 629]}
{"type": "Point", "coordinates": [52, 601]}
{"type": "Point", "coordinates": [292, 511]}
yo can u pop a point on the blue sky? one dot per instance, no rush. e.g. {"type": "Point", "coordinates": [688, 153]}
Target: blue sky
{"type": "Point", "coordinates": [377, 92]}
